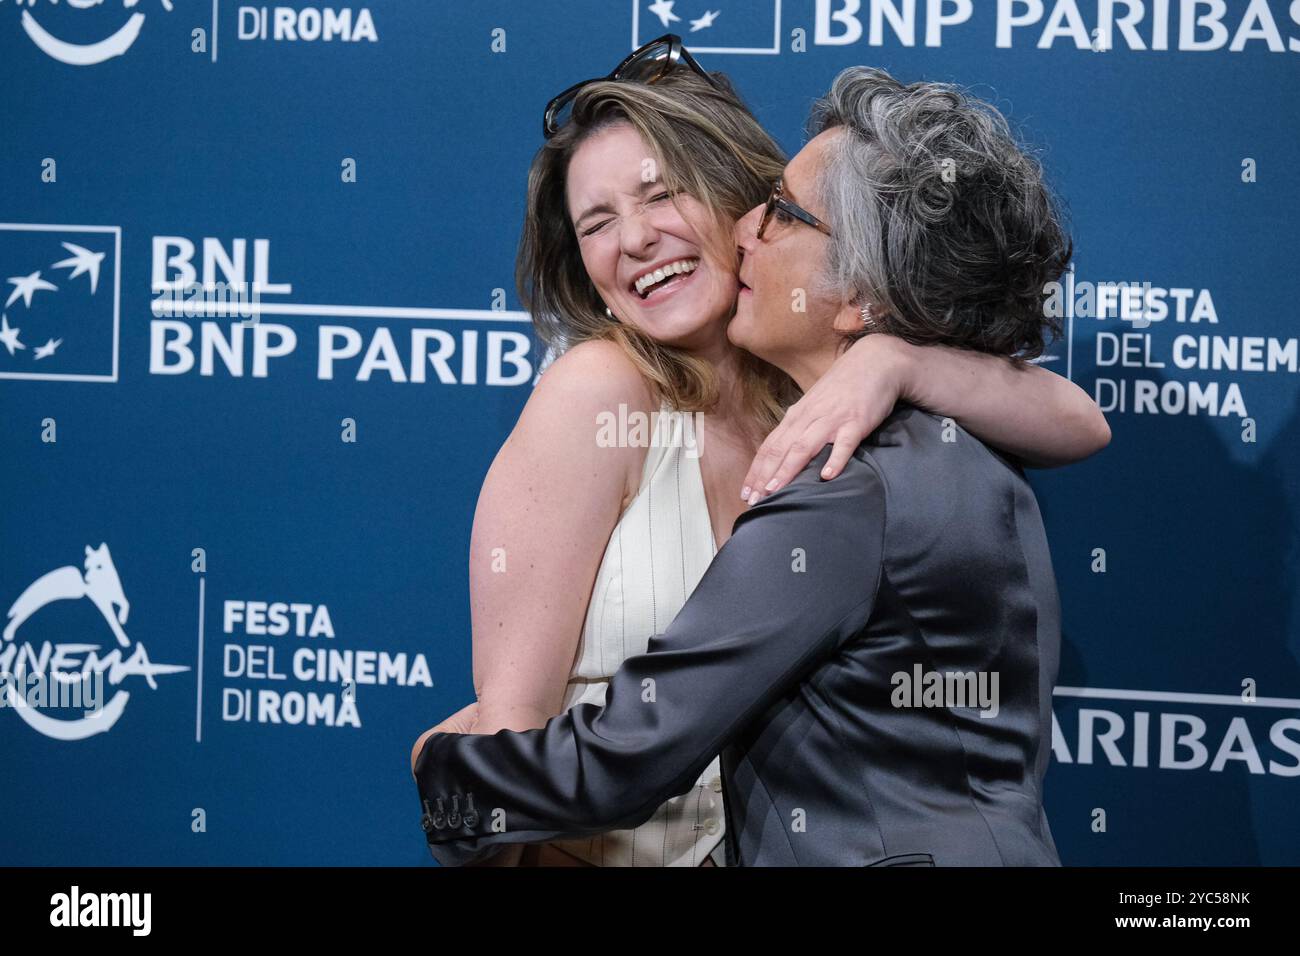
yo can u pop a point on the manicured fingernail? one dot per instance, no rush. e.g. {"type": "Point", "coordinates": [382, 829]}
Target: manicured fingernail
{"type": "Point", "coordinates": [744, 493]}
{"type": "Point", "coordinates": [753, 498]}
{"type": "Point", "coordinates": [826, 472]}
{"type": "Point", "coordinates": [771, 485]}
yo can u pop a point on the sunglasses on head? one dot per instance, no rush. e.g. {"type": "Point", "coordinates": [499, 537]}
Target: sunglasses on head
{"type": "Point", "coordinates": [647, 64]}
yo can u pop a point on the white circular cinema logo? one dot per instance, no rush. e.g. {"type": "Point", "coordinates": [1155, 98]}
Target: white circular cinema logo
{"type": "Point", "coordinates": [57, 675]}
{"type": "Point", "coordinates": [105, 47]}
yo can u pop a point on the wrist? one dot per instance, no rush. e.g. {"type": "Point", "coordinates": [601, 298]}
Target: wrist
{"type": "Point", "coordinates": [894, 360]}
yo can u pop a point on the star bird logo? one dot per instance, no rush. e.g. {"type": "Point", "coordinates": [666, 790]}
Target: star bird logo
{"type": "Point", "coordinates": [53, 303]}
{"type": "Point", "coordinates": [723, 26]}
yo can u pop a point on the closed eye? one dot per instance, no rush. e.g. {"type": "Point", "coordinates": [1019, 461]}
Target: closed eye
{"type": "Point", "coordinates": [597, 227]}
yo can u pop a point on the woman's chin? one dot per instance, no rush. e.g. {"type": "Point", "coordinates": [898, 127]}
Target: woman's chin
{"type": "Point", "coordinates": [741, 327]}
{"type": "Point", "coordinates": [686, 333]}
{"type": "Point", "coordinates": [684, 327]}
{"type": "Point", "coordinates": [738, 333]}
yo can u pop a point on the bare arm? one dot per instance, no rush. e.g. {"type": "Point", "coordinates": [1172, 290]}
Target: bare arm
{"type": "Point", "coordinates": [1038, 416]}
{"type": "Point", "coordinates": [1041, 417]}
{"type": "Point", "coordinates": [544, 516]}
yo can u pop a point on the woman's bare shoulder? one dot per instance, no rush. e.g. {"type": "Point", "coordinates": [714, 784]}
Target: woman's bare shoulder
{"type": "Point", "coordinates": [591, 378]}
{"type": "Point", "coordinates": [603, 372]}
{"type": "Point", "coordinates": [561, 422]}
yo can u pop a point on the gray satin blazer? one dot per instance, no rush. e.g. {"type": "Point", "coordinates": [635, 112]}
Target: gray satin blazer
{"type": "Point", "coordinates": [925, 555]}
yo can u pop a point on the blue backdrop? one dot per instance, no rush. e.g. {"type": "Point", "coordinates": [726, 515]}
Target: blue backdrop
{"type": "Point", "coordinates": [179, 490]}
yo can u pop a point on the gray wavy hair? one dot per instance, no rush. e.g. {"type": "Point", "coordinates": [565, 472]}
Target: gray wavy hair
{"type": "Point", "coordinates": [941, 221]}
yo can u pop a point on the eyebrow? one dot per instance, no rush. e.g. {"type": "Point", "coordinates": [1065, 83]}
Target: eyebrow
{"type": "Point", "coordinates": [605, 207]}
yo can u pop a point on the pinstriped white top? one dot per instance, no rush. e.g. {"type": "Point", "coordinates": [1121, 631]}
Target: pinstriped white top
{"type": "Point", "coordinates": [655, 557]}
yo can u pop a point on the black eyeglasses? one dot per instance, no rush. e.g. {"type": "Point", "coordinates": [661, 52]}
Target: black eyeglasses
{"type": "Point", "coordinates": [777, 199]}
{"type": "Point", "coordinates": [648, 64]}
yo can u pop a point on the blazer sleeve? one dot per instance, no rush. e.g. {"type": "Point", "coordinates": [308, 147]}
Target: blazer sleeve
{"type": "Point", "coordinates": [796, 579]}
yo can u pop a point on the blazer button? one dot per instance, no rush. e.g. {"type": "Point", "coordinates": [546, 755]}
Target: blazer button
{"type": "Point", "coordinates": [471, 815]}
{"type": "Point", "coordinates": [453, 818]}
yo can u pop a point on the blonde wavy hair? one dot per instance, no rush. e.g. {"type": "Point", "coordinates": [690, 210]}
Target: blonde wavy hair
{"type": "Point", "coordinates": [707, 144]}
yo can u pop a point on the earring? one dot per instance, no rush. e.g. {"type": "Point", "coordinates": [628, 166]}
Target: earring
{"type": "Point", "coordinates": [868, 322]}
{"type": "Point", "coordinates": [610, 315]}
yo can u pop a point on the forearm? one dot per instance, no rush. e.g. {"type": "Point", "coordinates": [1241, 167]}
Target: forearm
{"type": "Point", "coordinates": [494, 714]}
{"type": "Point", "coordinates": [512, 854]}
{"type": "Point", "coordinates": [1043, 419]}
{"type": "Point", "coordinates": [473, 719]}
{"type": "Point", "coordinates": [560, 781]}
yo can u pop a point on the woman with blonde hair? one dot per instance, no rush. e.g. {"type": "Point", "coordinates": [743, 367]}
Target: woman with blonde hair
{"type": "Point", "coordinates": [582, 548]}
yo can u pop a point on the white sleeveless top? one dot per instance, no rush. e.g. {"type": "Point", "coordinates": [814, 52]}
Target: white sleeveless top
{"type": "Point", "coordinates": [655, 557]}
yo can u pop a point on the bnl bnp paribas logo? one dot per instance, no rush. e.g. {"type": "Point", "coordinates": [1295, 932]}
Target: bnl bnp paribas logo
{"type": "Point", "coordinates": [57, 687]}
{"type": "Point", "coordinates": [60, 290]}
{"type": "Point", "coordinates": [754, 26]}
{"type": "Point", "coordinates": [217, 312]}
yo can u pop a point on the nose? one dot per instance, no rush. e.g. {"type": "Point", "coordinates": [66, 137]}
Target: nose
{"type": "Point", "coordinates": [747, 228]}
{"type": "Point", "coordinates": [637, 235]}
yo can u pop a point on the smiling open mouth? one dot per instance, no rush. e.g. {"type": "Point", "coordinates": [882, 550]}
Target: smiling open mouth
{"type": "Point", "coordinates": [667, 275]}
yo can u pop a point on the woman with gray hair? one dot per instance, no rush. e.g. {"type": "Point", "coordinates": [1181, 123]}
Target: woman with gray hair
{"type": "Point", "coordinates": [947, 237]}
{"type": "Point", "coordinates": [873, 655]}
{"type": "Point", "coordinates": [945, 224]}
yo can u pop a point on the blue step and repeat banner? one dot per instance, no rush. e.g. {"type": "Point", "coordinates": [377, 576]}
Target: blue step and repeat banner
{"type": "Point", "coordinates": [255, 534]}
